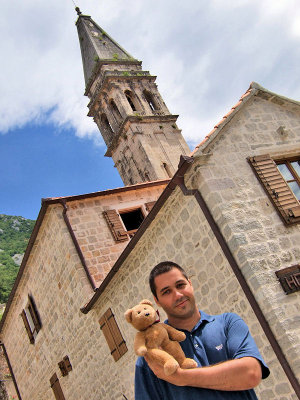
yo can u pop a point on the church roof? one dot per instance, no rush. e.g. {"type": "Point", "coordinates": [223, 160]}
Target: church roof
{"type": "Point", "coordinates": [96, 45]}
{"type": "Point", "coordinates": [254, 90]}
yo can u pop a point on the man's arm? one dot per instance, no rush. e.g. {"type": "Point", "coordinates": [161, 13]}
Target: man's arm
{"type": "Point", "coordinates": [239, 374]}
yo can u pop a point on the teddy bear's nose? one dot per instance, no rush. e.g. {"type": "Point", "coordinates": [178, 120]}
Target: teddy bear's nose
{"type": "Point", "coordinates": [147, 314]}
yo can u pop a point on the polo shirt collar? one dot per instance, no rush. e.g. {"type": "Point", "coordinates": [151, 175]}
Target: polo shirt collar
{"type": "Point", "coordinates": [203, 318]}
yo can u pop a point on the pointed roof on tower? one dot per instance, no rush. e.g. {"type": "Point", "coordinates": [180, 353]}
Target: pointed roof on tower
{"type": "Point", "coordinates": [96, 45]}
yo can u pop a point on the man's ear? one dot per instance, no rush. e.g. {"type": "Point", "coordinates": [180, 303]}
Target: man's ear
{"type": "Point", "coordinates": [190, 282]}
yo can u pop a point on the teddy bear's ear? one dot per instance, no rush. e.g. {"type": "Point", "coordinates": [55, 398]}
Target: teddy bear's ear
{"type": "Point", "coordinates": [128, 315]}
{"type": "Point", "coordinates": [145, 301]}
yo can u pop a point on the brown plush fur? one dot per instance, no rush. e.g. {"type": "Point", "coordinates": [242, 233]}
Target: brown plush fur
{"type": "Point", "coordinates": [159, 341]}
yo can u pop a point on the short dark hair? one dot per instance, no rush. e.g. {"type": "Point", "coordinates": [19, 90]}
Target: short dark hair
{"type": "Point", "coordinates": [161, 268]}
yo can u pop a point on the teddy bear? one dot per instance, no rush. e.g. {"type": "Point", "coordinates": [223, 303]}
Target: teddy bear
{"type": "Point", "coordinates": [158, 340]}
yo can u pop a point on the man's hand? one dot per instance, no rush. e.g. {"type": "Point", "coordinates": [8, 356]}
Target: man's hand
{"type": "Point", "coordinates": [158, 370]}
{"type": "Point", "coordinates": [239, 374]}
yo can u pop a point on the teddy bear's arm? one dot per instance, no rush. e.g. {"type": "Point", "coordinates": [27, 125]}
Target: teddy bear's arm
{"type": "Point", "coordinates": [174, 334]}
{"type": "Point", "coordinates": [139, 346]}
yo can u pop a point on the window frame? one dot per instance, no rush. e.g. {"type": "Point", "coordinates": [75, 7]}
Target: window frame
{"type": "Point", "coordinates": [31, 319]}
{"type": "Point", "coordinates": [55, 386]}
{"type": "Point", "coordinates": [287, 162]}
{"type": "Point", "coordinates": [113, 335]}
{"type": "Point", "coordinates": [277, 188]}
{"type": "Point", "coordinates": [128, 210]}
{"type": "Point", "coordinates": [116, 224]}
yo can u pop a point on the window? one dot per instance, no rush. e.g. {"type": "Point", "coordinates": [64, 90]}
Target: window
{"type": "Point", "coordinates": [115, 111]}
{"type": "Point", "coordinates": [290, 170]}
{"type": "Point", "coordinates": [124, 223]}
{"type": "Point", "coordinates": [31, 320]}
{"type": "Point", "coordinates": [281, 182]}
{"type": "Point", "coordinates": [150, 100]}
{"type": "Point", "coordinates": [132, 220]}
{"type": "Point", "coordinates": [167, 169]}
{"type": "Point", "coordinates": [55, 386]}
{"type": "Point", "coordinates": [131, 100]}
{"type": "Point", "coordinates": [112, 334]}
{"type": "Point", "coordinates": [108, 133]}
{"type": "Point", "coordinates": [65, 366]}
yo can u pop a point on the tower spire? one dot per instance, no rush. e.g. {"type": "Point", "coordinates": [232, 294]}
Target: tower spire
{"type": "Point", "coordinates": [96, 45]}
{"type": "Point", "coordinates": [140, 132]}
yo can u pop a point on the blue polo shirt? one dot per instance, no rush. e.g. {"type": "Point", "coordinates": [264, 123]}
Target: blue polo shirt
{"type": "Point", "coordinates": [214, 339]}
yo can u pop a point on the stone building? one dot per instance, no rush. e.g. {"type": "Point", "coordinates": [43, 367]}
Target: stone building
{"type": "Point", "coordinates": [229, 214]}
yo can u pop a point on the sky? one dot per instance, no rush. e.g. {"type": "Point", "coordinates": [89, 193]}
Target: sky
{"type": "Point", "coordinates": [205, 54]}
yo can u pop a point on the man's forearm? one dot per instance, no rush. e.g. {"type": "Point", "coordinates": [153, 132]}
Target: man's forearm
{"type": "Point", "coordinates": [239, 374]}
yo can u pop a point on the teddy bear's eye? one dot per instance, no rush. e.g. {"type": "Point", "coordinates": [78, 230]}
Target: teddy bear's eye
{"type": "Point", "coordinates": [139, 312]}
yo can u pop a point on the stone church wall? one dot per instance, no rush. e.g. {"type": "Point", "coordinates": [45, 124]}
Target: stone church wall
{"type": "Point", "coordinates": [54, 277]}
{"type": "Point", "coordinates": [258, 238]}
{"type": "Point", "coordinates": [181, 233]}
{"type": "Point", "coordinates": [91, 229]}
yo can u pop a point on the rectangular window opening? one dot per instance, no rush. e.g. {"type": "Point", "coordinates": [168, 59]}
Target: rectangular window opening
{"type": "Point", "coordinates": [132, 219]}
{"type": "Point", "coordinates": [290, 171]}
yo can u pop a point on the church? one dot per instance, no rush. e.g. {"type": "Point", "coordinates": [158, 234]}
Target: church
{"type": "Point", "coordinates": [228, 212]}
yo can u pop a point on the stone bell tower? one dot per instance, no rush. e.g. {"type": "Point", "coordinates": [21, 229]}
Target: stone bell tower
{"type": "Point", "coordinates": [140, 133]}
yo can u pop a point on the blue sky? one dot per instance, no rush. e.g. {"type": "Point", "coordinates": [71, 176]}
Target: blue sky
{"type": "Point", "coordinates": [42, 161]}
{"type": "Point", "coordinates": [205, 54]}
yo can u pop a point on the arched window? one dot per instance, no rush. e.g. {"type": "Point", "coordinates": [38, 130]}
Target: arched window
{"type": "Point", "coordinates": [115, 111]}
{"type": "Point", "coordinates": [150, 100]}
{"type": "Point", "coordinates": [167, 169]}
{"type": "Point", "coordinates": [108, 130]}
{"type": "Point", "coordinates": [130, 99]}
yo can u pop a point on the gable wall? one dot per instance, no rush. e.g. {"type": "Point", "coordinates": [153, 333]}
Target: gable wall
{"type": "Point", "coordinates": [181, 233]}
{"type": "Point", "coordinates": [55, 278]}
{"type": "Point", "coordinates": [258, 238]}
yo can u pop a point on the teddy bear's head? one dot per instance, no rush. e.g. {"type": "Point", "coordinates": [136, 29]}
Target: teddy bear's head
{"type": "Point", "coordinates": [142, 315]}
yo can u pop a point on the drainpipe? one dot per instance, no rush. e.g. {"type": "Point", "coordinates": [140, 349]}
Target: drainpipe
{"type": "Point", "coordinates": [76, 244]}
{"type": "Point", "coordinates": [179, 179]}
{"type": "Point", "coordinates": [10, 370]}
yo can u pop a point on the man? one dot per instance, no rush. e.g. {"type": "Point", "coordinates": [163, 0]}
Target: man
{"type": "Point", "coordinates": [229, 363]}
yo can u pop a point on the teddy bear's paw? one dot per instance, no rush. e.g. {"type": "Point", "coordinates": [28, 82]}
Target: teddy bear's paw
{"type": "Point", "coordinates": [141, 351]}
{"type": "Point", "coordinates": [188, 363]}
{"type": "Point", "coordinates": [170, 366]}
{"type": "Point", "coordinates": [181, 337]}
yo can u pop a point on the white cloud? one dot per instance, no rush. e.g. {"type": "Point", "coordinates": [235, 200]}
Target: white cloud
{"type": "Point", "coordinates": [205, 56]}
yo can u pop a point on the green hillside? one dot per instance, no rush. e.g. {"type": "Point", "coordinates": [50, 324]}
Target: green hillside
{"type": "Point", "coordinates": [14, 235]}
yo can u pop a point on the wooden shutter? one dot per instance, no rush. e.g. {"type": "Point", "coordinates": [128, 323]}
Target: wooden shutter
{"type": "Point", "coordinates": [55, 385]}
{"type": "Point", "coordinates": [280, 193]}
{"type": "Point", "coordinates": [112, 334]}
{"type": "Point", "coordinates": [149, 205]}
{"type": "Point", "coordinates": [67, 363]}
{"type": "Point", "coordinates": [115, 224]}
{"type": "Point", "coordinates": [27, 326]}
{"type": "Point", "coordinates": [34, 314]}
{"type": "Point", "coordinates": [65, 366]}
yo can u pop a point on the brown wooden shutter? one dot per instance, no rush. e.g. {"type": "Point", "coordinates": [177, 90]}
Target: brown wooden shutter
{"type": "Point", "coordinates": [27, 326]}
{"type": "Point", "coordinates": [115, 224]}
{"type": "Point", "coordinates": [65, 366]}
{"type": "Point", "coordinates": [281, 195]}
{"type": "Point", "coordinates": [67, 363]}
{"type": "Point", "coordinates": [55, 385]}
{"type": "Point", "coordinates": [149, 205]}
{"type": "Point", "coordinates": [34, 314]}
{"type": "Point", "coordinates": [112, 334]}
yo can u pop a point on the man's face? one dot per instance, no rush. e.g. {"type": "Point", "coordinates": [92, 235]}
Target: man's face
{"type": "Point", "coordinates": [175, 294]}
